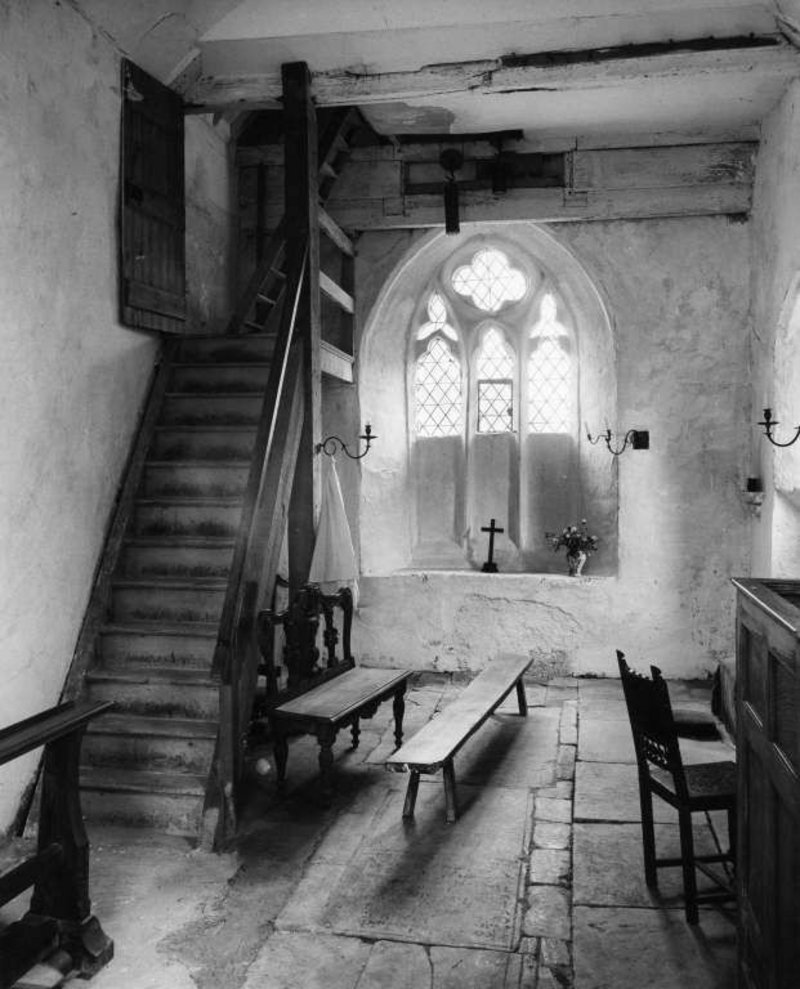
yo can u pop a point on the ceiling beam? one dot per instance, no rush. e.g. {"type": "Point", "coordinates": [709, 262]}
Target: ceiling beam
{"type": "Point", "coordinates": [603, 68]}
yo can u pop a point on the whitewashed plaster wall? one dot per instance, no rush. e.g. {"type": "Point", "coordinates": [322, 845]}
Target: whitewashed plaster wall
{"type": "Point", "coordinates": [775, 341]}
{"type": "Point", "coordinates": [677, 292]}
{"type": "Point", "coordinates": [72, 379]}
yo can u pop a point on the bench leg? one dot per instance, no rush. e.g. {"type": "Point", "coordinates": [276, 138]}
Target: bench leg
{"type": "Point", "coordinates": [411, 794]}
{"type": "Point", "coordinates": [399, 709]}
{"type": "Point", "coordinates": [355, 731]}
{"type": "Point", "coordinates": [280, 748]}
{"type": "Point", "coordinates": [449, 776]}
{"type": "Point", "coordinates": [326, 735]}
{"type": "Point", "coordinates": [522, 700]}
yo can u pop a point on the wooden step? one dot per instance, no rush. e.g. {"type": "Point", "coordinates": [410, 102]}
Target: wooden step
{"type": "Point", "coordinates": [226, 349]}
{"type": "Point", "coordinates": [203, 379]}
{"type": "Point", "coordinates": [156, 645]}
{"type": "Point", "coordinates": [216, 443]}
{"type": "Point", "coordinates": [222, 408]}
{"type": "Point", "coordinates": [135, 741]}
{"type": "Point", "coordinates": [178, 556]}
{"type": "Point", "coordinates": [170, 600]}
{"type": "Point", "coordinates": [194, 478]}
{"type": "Point", "coordinates": [156, 691]}
{"type": "Point", "coordinates": [171, 802]}
{"type": "Point", "coordinates": [186, 516]}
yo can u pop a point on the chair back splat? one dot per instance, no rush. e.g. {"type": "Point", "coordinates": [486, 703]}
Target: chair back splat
{"type": "Point", "coordinates": [691, 788]}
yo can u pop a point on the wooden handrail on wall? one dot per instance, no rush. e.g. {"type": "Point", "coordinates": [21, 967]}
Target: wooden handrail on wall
{"type": "Point", "coordinates": [256, 553]}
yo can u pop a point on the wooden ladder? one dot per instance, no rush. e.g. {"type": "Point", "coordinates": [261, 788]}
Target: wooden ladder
{"type": "Point", "coordinates": [261, 301]}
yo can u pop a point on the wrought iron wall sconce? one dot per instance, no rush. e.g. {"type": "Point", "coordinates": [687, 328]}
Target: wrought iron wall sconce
{"type": "Point", "coordinates": [769, 424]}
{"type": "Point", "coordinates": [451, 160]}
{"type": "Point", "coordinates": [332, 444]}
{"type": "Point", "coordinates": [638, 439]}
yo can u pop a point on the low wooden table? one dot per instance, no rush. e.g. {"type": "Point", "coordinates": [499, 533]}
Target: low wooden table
{"type": "Point", "coordinates": [340, 702]}
{"type": "Point", "coordinates": [435, 745]}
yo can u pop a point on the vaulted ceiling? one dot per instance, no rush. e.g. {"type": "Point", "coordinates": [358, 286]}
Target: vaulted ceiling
{"type": "Point", "coordinates": [565, 72]}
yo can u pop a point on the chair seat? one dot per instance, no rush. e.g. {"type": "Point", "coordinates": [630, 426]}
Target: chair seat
{"type": "Point", "coordinates": [704, 780]}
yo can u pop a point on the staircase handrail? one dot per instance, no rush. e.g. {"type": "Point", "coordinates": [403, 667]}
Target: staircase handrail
{"type": "Point", "coordinates": [224, 660]}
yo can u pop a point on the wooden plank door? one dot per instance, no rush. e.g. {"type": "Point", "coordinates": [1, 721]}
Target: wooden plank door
{"type": "Point", "coordinates": [768, 756]}
{"type": "Point", "coordinates": [152, 213]}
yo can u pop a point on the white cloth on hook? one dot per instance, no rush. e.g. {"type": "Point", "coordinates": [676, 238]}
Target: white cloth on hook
{"type": "Point", "coordinates": [333, 564]}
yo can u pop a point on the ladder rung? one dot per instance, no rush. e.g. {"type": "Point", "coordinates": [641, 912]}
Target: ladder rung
{"type": "Point", "coordinates": [336, 293]}
{"type": "Point", "coordinates": [266, 298]}
{"type": "Point", "coordinates": [329, 170]}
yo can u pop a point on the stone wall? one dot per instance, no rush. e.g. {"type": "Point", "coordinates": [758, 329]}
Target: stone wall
{"type": "Point", "coordinates": [677, 292]}
{"type": "Point", "coordinates": [72, 379]}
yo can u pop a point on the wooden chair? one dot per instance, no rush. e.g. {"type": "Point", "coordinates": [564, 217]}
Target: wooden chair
{"type": "Point", "coordinates": [691, 788]}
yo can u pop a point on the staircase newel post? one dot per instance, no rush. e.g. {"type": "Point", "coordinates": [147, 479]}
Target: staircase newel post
{"type": "Point", "coordinates": [301, 202]}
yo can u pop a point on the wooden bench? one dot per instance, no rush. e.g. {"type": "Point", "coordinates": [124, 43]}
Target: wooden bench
{"type": "Point", "coordinates": [315, 696]}
{"type": "Point", "coordinates": [435, 745]}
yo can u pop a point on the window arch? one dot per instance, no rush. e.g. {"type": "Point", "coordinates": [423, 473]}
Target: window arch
{"type": "Point", "coordinates": [510, 307]}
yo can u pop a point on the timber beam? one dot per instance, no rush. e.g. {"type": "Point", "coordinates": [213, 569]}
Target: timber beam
{"type": "Point", "coordinates": [374, 192]}
{"type": "Point", "coordinates": [769, 57]}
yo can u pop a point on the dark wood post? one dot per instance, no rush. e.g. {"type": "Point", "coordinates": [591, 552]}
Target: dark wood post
{"type": "Point", "coordinates": [301, 202]}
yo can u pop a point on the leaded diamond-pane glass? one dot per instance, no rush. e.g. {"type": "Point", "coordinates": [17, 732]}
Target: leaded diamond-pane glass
{"type": "Point", "coordinates": [437, 390]}
{"type": "Point", "coordinates": [549, 387]}
{"type": "Point", "coordinates": [495, 368]}
{"type": "Point", "coordinates": [490, 281]}
{"type": "Point", "coordinates": [550, 379]}
{"type": "Point", "coordinates": [495, 360]}
{"type": "Point", "coordinates": [495, 410]}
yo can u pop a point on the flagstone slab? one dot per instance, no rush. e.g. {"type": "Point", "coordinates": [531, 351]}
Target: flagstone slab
{"type": "Point", "coordinates": [308, 961]}
{"type": "Point", "coordinates": [627, 947]}
{"type": "Point", "coordinates": [608, 867]}
{"type": "Point", "coordinates": [605, 740]}
{"type": "Point", "coordinates": [606, 791]}
{"type": "Point", "coordinates": [512, 751]}
{"type": "Point", "coordinates": [424, 880]}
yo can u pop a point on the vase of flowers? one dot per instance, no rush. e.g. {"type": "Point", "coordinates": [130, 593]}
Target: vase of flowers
{"type": "Point", "coordinates": [578, 543]}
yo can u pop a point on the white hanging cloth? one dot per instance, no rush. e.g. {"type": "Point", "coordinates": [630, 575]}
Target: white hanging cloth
{"type": "Point", "coordinates": [333, 564]}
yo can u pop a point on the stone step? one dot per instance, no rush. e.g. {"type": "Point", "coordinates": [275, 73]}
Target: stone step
{"type": "Point", "coordinates": [215, 378]}
{"type": "Point", "coordinates": [194, 479]}
{"type": "Point", "coordinates": [179, 556]}
{"type": "Point", "coordinates": [218, 443]}
{"type": "Point", "coordinates": [154, 645]}
{"type": "Point", "coordinates": [156, 691]}
{"type": "Point", "coordinates": [165, 600]}
{"type": "Point", "coordinates": [219, 408]}
{"type": "Point", "coordinates": [171, 802]}
{"type": "Point", "coordinates": [186, 516]}
{"type": "Point", "coordinates": [134, 741]}
{"type": "Point", "coordinates": [257, 347]}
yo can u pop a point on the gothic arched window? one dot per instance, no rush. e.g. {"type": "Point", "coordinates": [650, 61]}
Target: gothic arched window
{"type": "Point", "coordinates": [494, 369]}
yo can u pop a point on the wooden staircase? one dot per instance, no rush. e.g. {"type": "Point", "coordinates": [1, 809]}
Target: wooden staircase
{"type": "Point", "coordinates": [148, 763]}
{"type": "Point", "coordinates": [193, 548]}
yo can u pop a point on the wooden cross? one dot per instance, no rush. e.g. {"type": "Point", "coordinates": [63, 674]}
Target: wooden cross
{"type": "Point", "coordinates": [490, 566]}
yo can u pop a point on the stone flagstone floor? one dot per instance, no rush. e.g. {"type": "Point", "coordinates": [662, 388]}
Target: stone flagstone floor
{"type": "Point", "coordinates": [539, 885]}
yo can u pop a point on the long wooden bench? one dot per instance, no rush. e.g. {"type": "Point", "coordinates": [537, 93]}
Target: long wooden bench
{"type": "Point", "coordinates": [436, 744]}
{"type": "Point", "coordinates": [320, 695]}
